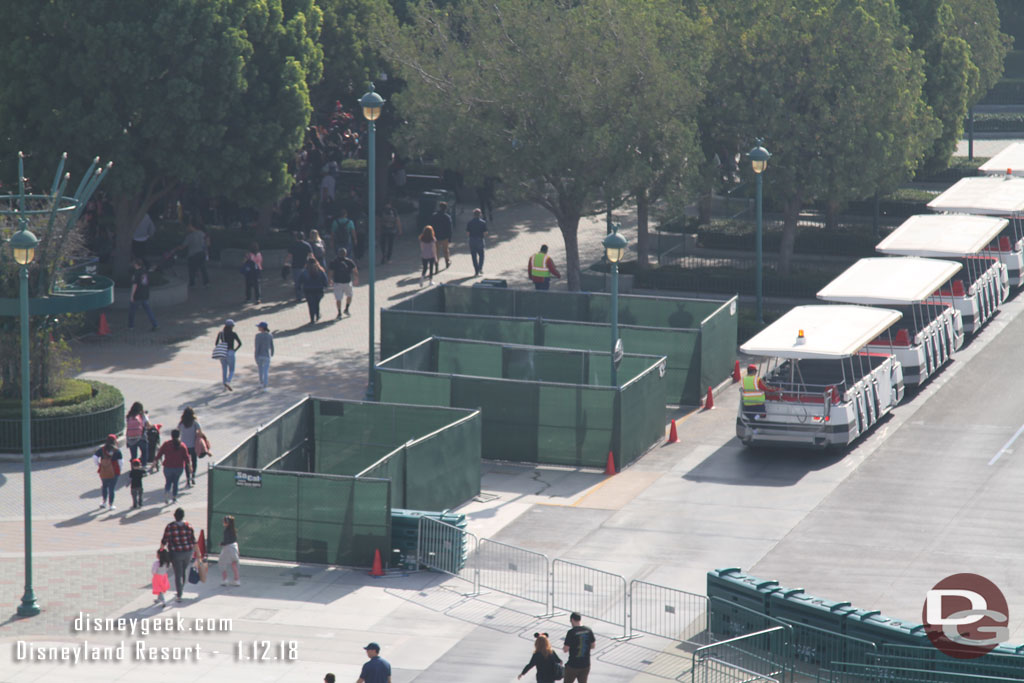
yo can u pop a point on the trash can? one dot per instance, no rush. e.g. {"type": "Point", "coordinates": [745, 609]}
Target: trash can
{"type": "Point", "coordinates": [428, 205]}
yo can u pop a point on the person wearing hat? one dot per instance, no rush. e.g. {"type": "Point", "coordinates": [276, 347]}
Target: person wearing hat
{"type": "Point", "coordinates": [228, 337]}
{"type": "Point", "coordinates": [264, 346]}
{"type": "Point", "coordinates": [377, 670]}
{"type": "Point", "coordinates": [108, 465]}
{"type": "Point", "coordinates": [135, 475]}
{"type": "Point", "coordinates": [753, 391]}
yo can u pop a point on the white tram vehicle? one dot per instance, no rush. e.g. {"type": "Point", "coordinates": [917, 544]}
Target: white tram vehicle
{"type": "Point", "coordinates": [1009, 161]}
{"type": "Point", "coordinates": [1001, 197]}
{"type": "Point", "coordinates": [822, 387]}
{"type": "Point", "coordinates": [931, 330]}
{"type": "Point", "coordinates": [980, 287]}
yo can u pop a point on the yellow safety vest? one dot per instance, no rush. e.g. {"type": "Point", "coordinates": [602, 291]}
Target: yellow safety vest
{"type": "Point", "coordinates": [752, 394]}
{"type": "Point", "coordinates": [539, 267]}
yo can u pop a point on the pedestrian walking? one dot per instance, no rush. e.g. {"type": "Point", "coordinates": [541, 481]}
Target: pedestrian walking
{"type": "Point", "coordinates": [428, 253]}
{"type": "Point", "coordinates": [578, 643]}
{"type": "Point", "coordinates": [176, 461]}
{"type": "Point", "coordinates": [313, 282]}
{"type": "Point", "coordinates": [343, 234]}
{"type": "Point", "coordinates": [139, 295]}
{"type": "Point", "coordinates": [161, 584]}
{"type": "Point", "coordinates": [135, 475]}
{"type": "Point", "coordinates": [298, 253]}
{"type": "Point", "coordinates": [377, 670]}
{"type": "Point", "coordinates": [442, 224]}
{"type": "Point", "coordinates": [136, 422]}
{"type": "Point", "coordinates": [229, 343]}
{"type": "Point", "coordinates": [194, 246]}
{"type": "Point", "coordinates": [264, 346]}
{"type": "Point", "coordinates": [544, 659]}
{"type": "Point", "coordinates": [477, 230]}
{"type": "Point", "coordinates": [143, 231]}
{"type": "Point", "coordinates": [107, 459]}
{"type": "Point", "coordinates": [541, 269]}
{"type": "Point", "coordinates": [344, 274]}
{"type": "Point", "coordinates": [229, 552]}
{"type": "Point", "coordinates": [192, 436]}
{"type": "Point", "coordinates": [252, 271]}
{"type": "Point", "coordinates": [180, 540]}
{"type": "Point", "coordinates": [319, 248]}
{"type": "Point", "coordinates": [390, 228]}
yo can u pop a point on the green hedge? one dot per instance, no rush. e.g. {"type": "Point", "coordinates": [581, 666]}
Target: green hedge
{"type": "Point", "coordinates": [96, 396]}
{"type": "Point", "coordinates": [1006, 91]}
{"type": "Point", "coordinates": [75, 391]}
{"type": "Point", "coordinates": [68, 426]}
{"type": "Point", "coordinates": [799, 284]}
{"type": "Point", "coordinates": [845, 241]}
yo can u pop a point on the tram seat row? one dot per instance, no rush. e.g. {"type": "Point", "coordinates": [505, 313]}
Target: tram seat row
{"type": "Point", "coordinates": [958, 289]}
{"type": "Point", "coordinates": [900, 338]}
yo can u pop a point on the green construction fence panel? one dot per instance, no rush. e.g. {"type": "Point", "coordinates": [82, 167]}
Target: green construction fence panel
{"type": "Point", "coordinates": [641, 418]}
{"type": "Point", "coordinates": [444, 466]}
{"type": "Point", "coordinates": [718, 344]}
{"type": "Point", "coordinates": [510, 413]}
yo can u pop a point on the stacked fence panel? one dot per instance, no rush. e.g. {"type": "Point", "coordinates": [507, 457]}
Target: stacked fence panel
{"type": "Point", "coordinates": [668, 612]}
{"type": "Point", "coordinates": [591, 592]}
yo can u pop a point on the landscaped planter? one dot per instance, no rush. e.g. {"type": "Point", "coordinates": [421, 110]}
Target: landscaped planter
{"type": "Point", "coordinates": [65, 428]}
{"type": "Point", "coordinates": [174, 291]}
{"type": "Point", "coordinates": [273, 259]}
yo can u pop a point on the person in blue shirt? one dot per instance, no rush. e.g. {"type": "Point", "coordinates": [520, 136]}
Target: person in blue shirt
{"type": "Point", "coordinates": [377, 670]}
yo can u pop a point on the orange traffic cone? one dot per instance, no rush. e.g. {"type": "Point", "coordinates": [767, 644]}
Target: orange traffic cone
{"type": "Point", "coordinates": [378, 567]}
{"type": "Point", "coordinates": [736, 376]}
{"type": "Point", "coordinates": [202, 543]}
{"type": "Point", "coordinates": [709, 402]}
{"type": "Point", "coordinates": [104, 329]}
{"type": "Point", "coordinates": [610, 467]}
{"type": "Point", "coordinates": [673, 435]}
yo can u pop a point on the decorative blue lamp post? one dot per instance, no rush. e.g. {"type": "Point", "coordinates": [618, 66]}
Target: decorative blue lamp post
{"type": "Point", "coordinates": [759, 157]}
{"type": "Point", "coordinates": [614, 249]}
{"type": "Point", "coordinates": [371, 103]}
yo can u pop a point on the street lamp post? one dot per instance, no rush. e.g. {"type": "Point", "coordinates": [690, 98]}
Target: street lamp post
{"type": "Point", "coordinates": [759, 157]}
{"type": "Point", "coordinates": [23, 248]}
{"type": "Point", "coordinates": [614, 248]}
{"type": "Point", "coordinates": [371, 103]}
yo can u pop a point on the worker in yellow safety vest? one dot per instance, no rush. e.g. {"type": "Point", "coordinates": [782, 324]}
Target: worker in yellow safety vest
{"type": "Point", "coordinates": [541, 269]}
{"type": "Point", "coordinates": [753, 391]}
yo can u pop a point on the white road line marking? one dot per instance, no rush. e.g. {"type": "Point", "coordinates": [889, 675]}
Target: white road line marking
{"type": "Point", "coordinates": [1007, 445]}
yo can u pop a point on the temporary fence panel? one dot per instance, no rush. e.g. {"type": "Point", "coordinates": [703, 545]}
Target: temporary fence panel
{"type": "Point", "coordinates": [402, 329]}
{"type": "Point", "coordinates": [711, 670]}
{"type": "Point", "coordinates": [244, 454]}
{"type": "Point", "coordinates": [728, 619]}
{"type": "Point", "coordinates": [285, 433]}
{"type": "Point", "coordinates": [592, 592]}
{"type": "Point", "coordinates": [448, 549]}
{"type": "Point", "coordinates": [533, 364]}
{"type": "Point", "coordinates": [442, 469]}
{"type": "Point", "coordinates": [668, 612]}
{"type": "Point", "coordinates": [512, 570]}
{"type": "Point", "coordinates": [418, 388]}
{"type": "Point", "coordinates": [718, 341]}
{"type": "Point", "coordinates": [303, 518]}
{"type": "Point", "coordinates": [481, 360]}
{"type": "Point", "coordinates": [576, 425]}
{"type": "Point", "coordinates": [765, 653]}
{"type": "Point", "coordinates": [392, 467]}
{"type": "Point", "coordinates": [929, 657]}
{"type": "Point", "coordinates": [491, 301]}
{"type": "Point", "coordinates": [641, 417]}
{"type": "Point", "coordinates": [431, 299]}
{"type": "Point", "coordinates": [511, 415]}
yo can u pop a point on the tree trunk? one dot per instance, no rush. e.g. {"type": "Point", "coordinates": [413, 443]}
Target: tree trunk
{"type": "Point", "coordinates": [127, 214]}
{"type": "Point", "coordinates": [831, 215]}
{"type": "Point", "coordinates": [643, 235]}
{"type": "Point", "coordinates": [791, 211]}
{"type": "Point", "coordinates": [569, 227]}
{"type": "Point", "coordinates": [263, 219]}
{"type": "Point", "coordinates": [704, 207]}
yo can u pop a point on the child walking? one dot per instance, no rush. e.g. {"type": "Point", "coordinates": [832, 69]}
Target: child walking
{"type": "Point", "coordinates": [161, 584]}
{"type": "Point", "coordinates": [135, 475]}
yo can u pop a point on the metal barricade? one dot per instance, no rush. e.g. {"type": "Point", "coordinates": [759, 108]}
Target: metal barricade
{"type": "Point", "coordinates": [516, 571]}
{"type": "Point", "coordinates": [668, 612]}
{"type": "Point", "coordinates": [448, 549]}
{"type": "Point", "coordinates": [591, 592]}
{"type": "Point", "coordinates": [815, 649]}
{"type": "Point", "coordinates": [767, 654]}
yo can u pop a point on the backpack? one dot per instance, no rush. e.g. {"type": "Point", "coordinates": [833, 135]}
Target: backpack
{"type": "Point", "coordinates": [558, 668]}
{"type": "Point", "coordinates": [107, 470]}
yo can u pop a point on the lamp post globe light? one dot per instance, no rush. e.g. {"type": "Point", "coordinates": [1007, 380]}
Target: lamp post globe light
{"type": "Point", "coordinates": [759, 157]}
{"type": "Point", "coordinates": [614, 249]}
{"type": "Point", "coordinates": [23, 249]}
{"type": "Point", "coordinates": [371, 103]}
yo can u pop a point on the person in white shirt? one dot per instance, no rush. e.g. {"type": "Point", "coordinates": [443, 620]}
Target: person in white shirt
{"type": "Point", "coordinates": [143, 231]}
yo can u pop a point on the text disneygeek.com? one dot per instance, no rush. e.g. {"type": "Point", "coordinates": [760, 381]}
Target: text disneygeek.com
{"type": "Point", "coordinates": [136, 650]}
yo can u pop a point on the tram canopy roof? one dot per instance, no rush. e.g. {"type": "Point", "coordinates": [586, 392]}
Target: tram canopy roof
{"type": "Point", "coordinates": [942, 235]}
{"type": "Point", "coordinates": [889, 281]}
{"type": "Point", "coordinates": [986, 195]}
{"type": "Point", "coordinates": [828, 332]}
{"type": "Point", "coordinates": [1010, 159]}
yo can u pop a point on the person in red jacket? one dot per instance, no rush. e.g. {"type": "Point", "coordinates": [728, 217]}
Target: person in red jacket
{"type": "Point", "coordinates": [108, 464]}
{"type": "Point", "coordinates": [176, 460]}
{"type": "Point", "coordinates": [540, 269]}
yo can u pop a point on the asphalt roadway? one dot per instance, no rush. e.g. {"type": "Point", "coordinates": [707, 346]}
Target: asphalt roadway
{"type": "Point", "coordinates": [930, 492]}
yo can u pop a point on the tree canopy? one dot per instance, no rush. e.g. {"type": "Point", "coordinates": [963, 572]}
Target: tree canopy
{"type": "Point", "coordinates": [213, 92]}
{"type": "Point", "coordinates": [561, 99]}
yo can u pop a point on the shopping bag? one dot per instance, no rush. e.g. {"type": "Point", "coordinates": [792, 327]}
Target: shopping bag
{"type": "Point", "coordinates": [193, 574]}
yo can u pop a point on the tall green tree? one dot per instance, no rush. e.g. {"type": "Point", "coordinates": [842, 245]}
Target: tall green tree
{"type": "Point", "coordinates": [834, 89]}
{"type": "Point", "coordinates": [212, 92]}
{"type": "Point", "coordinates": [978, 23]}
{"type": "Point", "coordinates": [550, 95]}
{"type": "Point", "coordinates": [349, 58]}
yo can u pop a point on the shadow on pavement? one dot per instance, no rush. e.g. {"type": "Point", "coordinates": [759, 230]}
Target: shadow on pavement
{"type": "Point", "coordinates": [736, 464]}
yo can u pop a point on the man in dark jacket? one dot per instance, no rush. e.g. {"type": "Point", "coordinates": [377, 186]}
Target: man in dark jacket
{"type": "Point", "coordinates": [442, 224]}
